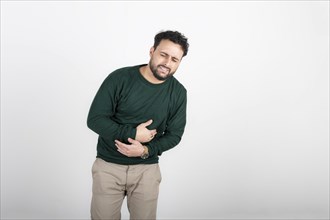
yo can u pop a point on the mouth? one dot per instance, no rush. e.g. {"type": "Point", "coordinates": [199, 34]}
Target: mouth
{"type": "Point", "coordinates": [164, 69]}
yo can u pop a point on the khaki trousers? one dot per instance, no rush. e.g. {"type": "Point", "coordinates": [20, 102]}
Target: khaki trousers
{"type": "Point", "coordinates": [112, 182]}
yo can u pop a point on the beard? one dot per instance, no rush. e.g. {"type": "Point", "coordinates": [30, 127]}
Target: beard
{"type": "Point", "coordinates": [157, 75]}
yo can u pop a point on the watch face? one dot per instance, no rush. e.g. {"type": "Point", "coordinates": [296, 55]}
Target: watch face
{"type": "Point", "coordinates": [145, 156]}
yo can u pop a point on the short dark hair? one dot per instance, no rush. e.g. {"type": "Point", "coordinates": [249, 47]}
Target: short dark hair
{"type": "Point", "coordinates": [175, 37]}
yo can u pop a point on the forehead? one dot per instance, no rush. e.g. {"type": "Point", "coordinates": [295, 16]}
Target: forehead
{"type": "Point", "coordinates": [172, 49]}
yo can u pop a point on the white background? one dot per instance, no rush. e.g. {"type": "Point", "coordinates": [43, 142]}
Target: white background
{"type": "Point", "coordinates": [257, 140]}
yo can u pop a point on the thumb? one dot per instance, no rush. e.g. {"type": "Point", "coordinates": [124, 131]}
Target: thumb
{"type": "Point", "coordinates": [148, 123]}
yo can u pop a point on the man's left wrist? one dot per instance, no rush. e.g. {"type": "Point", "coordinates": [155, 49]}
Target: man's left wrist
{"type": "Point", "coordinates": [145, 153]}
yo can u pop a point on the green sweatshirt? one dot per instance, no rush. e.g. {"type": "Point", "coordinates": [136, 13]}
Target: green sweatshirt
{"type": "Point", "coordinates": [125, 100]}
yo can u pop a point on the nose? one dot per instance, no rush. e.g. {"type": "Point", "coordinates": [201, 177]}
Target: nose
{"type": "Point", "coordinates": [167, 61]}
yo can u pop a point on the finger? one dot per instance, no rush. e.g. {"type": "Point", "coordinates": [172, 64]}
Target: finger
{"type": "Point", "coordinates": [132, 141]}
{"type": "Point", "coordinates": [118, 142]}
{"type": "Point", "coordinates": [147, 123]}
{"type": "Point", "coordinates": [122, 152]}
{"type": "Point", "coordinates": [153, 132]}
{"type": "Point", "coordinates": [121, 145]}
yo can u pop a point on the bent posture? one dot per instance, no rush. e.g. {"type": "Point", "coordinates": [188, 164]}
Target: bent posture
{"type": "Point", "coordinates": [138, 112]}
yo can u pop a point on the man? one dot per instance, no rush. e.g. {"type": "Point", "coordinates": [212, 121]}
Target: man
{"type": "Point", "coordinates": [139, 112]}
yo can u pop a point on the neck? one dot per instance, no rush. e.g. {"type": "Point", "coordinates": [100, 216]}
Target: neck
{"type": "Point", "coordinates": [148, 75]}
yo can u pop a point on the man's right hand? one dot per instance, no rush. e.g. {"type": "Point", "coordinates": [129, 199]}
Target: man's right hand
{"type": "Point", "coordinates": [143, 134]}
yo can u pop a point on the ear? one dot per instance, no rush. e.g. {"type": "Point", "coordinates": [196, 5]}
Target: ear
{"type": "Point", "coordinates": [152, 49]}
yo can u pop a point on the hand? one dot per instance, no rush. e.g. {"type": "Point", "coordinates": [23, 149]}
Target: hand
{"type": "Point", "coordinates": [135, 149]}
{"type": "Point", "coordinates": [143, 134]}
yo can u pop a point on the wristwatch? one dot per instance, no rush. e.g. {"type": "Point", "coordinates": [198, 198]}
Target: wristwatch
{"type": "Point", "coordinates": [145, 153]}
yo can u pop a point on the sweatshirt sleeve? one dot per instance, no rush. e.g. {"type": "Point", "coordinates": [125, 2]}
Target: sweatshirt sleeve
{"type": "Point", "coordinates": [174, 129]}
{"type": "Point", "coordinates": [100, 117]}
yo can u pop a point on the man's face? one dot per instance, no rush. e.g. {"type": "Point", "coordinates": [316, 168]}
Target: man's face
{"type": "Point", "coordinates": [165, 59]}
